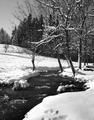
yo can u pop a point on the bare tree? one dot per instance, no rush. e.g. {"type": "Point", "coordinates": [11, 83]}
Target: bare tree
{"type": "Point", "coordinates": [24, 9]}
{"type": "Point", "coordinates": [63, 9]}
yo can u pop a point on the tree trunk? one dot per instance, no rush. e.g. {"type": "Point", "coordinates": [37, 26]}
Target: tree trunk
{"type": "Point", "coordinates": [68, 53]}
{"type": "Point", "coordinates": [80, 54]}
{"type": "Point", "coordinates": [80, 44]}
{"type": "Point", "coordinates": [60, 65]}
{"type": "Point", "coordinates": [92, 52]}
{"type": "Point", "coordinates": [67, 60]}
{"type": "Point", "coordinates": [33, 60]}
{"type": "Point", "coordinates": [85, 59]}
{"type": "Point", "coordinates": [71, 64]}
{"type": "Point", "coordinates": [85, 52]}
{"type": "Point", "coordinates": [93, 59]}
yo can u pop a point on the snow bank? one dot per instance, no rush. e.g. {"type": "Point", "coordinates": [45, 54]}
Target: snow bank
{"type": "Point", "coordinates": [16, 75]}
{"type": "Point", "coordinates": [66, 106]}
{"type": "Point", "coordinates": [82, 75]}
{"type": "Point", "coordinates": [88, 76]}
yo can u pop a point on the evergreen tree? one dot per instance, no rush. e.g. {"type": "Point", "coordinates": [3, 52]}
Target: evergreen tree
{"type": "Point", "coordinates": [14, 37]}
{"type": "Point", "coordinates": [29, 30]}
{"type": "Point", "coordinates": [40, 27]}
{"type": "Point", "coordinates": [57, 21]}
{"type": "Point", "coordinates": [50, 20]}
{"type": "Point", "coordinates": [4, 37]}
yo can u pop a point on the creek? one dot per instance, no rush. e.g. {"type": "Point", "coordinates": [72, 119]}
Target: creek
{"type": "Point", "coordinates": [15, 104]}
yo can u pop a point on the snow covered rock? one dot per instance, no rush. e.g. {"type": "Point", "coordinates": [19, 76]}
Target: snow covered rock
{"type": "Point", "coordinates": [24, 83]}
{"type": "Point", "coordinates": [20, 84]}
{"type": "Point", "coordinates": [63, 88]}
{"type": "Point", "coordinates": [90, 85]}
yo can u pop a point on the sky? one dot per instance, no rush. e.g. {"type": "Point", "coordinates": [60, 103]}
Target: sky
{"type": "Point", "coordinates": [7, 9]}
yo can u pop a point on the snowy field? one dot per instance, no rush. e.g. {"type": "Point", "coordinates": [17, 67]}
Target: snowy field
{"type": "Point", "coordinates": [16, 64]}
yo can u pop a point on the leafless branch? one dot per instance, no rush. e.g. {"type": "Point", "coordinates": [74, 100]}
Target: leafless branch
{"type": "Point", "coordinates": [48, 5]}
{"type": "Point", "coordinates": [17, 17]}
{"type": "Point", "coordinates": [46, 40]}
{"type": "Point", "coordinates": [28, 7]}
{"type": "Point", "coordinates": [58, 45]}
{"type": "Point", "coordinates": [21, 10]}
